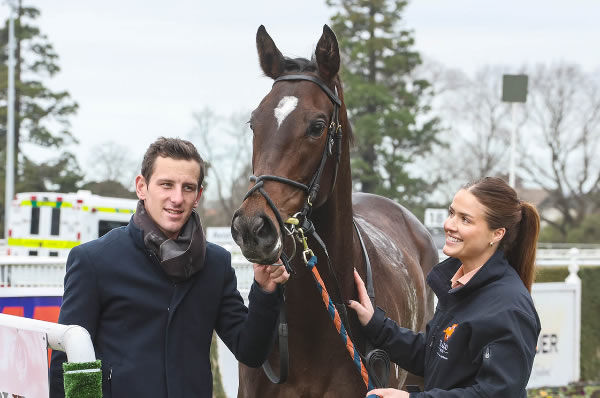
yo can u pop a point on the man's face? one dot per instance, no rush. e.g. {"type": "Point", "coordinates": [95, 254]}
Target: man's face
{"type": "Point", "coordinates": [171, 193]}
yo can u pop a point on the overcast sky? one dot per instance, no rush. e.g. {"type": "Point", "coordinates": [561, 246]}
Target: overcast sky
{"type": "Point", "coordinates": [140, 68]}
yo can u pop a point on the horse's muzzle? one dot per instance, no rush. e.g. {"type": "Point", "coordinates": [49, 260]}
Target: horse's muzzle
{"type": "Point", "coordinates": [257, 236]}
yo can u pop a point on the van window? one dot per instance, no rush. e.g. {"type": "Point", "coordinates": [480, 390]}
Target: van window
{"type": "Point", "coordinates": [35, 221]}
{"type": "Point", "coordinates": [104, 226]}
{"type": "Point", "coordinates": [55, 225]}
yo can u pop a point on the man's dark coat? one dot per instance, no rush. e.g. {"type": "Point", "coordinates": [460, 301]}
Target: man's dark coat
{"type": "Point", "coordinates": [152, 335]}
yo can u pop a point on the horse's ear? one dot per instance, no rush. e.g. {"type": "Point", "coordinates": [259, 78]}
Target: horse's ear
{"type": "Point", "coordinates": [271, 60]}
{"type": "Point", "coordinates": [328, 54]}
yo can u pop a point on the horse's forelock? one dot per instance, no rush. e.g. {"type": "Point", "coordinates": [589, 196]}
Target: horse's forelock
{"type": "Point", "coordinates": [299, 65]}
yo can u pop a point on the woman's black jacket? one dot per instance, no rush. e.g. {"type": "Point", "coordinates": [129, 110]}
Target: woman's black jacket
{"type": "Point", "coordinates": [481, 341]}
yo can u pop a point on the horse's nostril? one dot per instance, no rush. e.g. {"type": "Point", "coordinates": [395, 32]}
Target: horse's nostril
{"type": "Point", "coordinates": [236, 227]}
{"type": "Point", "coordinates": [264, 230]}
{"type": "Point", "coordinates": [257, 225]}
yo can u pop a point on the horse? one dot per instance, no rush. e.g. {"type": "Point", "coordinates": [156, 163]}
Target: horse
{"type": "Point", "coordinates": [298, 163]}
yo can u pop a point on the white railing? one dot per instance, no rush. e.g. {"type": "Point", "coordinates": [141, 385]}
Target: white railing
{"type": "Point", "coordinates": [561, 257]}
{"type": "Point", "coordinates": [74, 340]}
{"type": "Point", "coordinates": [24, 346]}
{"type": "Point", "coordinates": [49, 272]}
{"type": "Point", "coordinates": [29, 271]}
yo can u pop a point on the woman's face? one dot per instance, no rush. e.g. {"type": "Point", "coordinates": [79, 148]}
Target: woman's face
{"type": "Point", "coordinates": [468, 235]}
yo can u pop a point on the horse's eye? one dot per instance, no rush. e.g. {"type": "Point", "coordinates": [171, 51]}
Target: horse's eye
{"type": "Point", "coordinates": [316, 129]}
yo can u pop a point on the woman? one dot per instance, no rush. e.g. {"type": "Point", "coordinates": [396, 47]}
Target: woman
{"type": "Point", "coordinates": [482, 338]}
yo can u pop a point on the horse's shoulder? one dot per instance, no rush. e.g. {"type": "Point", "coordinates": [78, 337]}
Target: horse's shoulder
{"type": "Point", "coordinates": [378, 215]}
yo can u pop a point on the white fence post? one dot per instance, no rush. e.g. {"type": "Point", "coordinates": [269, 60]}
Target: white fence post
{"type": "Point", "coordinates": [573, 267]}
{"type": "Point", "coordinates": [573, 279]}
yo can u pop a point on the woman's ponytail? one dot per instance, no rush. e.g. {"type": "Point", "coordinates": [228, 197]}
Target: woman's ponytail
{"type": "Point", "coordinates": [521, 254]}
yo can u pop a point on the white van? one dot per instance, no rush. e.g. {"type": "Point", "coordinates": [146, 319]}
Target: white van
{"type": "Point", "coordinates": [51, 223]}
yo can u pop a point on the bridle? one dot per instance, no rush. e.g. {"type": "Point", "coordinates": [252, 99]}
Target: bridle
{"type": "Point", "coordinates": [332, 149]}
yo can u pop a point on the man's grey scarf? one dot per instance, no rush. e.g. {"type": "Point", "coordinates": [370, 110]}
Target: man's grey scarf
{"type": "Point", "coordinates": [180, 258]}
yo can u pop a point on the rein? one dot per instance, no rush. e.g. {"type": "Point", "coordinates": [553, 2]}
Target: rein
{"type": "Point", "coordinates": [332, 148]}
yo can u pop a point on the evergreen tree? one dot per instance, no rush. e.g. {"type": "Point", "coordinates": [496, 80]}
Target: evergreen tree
{"type": "Point", "coordinates": [41, 115]}
{"type": "Point", "coordinates": [387, 105]}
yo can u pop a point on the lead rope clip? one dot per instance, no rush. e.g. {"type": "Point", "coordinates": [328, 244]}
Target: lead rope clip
{"type": "Point", "coordinates": [305, 246]}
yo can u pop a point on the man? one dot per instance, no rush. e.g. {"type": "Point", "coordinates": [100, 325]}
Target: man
{"type": "Point", "coordinates": [150, 294]}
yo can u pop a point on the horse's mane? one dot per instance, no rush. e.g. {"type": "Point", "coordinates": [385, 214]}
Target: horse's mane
{"type": "Point", "coordinates": [305, 65]}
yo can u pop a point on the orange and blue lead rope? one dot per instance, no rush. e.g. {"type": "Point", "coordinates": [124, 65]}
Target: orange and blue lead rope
{"type": "Point", "coordinates": [335, 317]}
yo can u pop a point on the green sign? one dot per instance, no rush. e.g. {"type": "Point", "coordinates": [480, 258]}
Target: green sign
{"type": "Point", "coordinates": [514, 88]}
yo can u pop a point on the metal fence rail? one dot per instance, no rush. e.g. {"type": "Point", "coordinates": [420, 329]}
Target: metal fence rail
{"type": "Point", "coordinates": [48, 272]}
{"type": "Point", "coordinates": [26, 271]}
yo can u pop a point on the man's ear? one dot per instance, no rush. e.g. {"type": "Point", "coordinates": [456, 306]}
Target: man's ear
{"type": "Point", "coordinates": [140, 187]}
{"type": "Point", "coordinates": [199, 195]}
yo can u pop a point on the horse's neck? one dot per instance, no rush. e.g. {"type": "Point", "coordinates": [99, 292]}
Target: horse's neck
{"type": "Point", "coordinates": [334, 224]}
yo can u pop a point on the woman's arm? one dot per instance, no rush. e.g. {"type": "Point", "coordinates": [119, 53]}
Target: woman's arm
{"type": "Point", "coordinates": [405, 347]}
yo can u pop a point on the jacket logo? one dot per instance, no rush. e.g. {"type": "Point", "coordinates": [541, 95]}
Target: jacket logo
{"type": "Point", "coordinates": [448, 331]}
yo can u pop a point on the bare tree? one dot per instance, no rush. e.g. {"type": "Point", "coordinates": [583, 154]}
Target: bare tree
{"type": "Point", "coordinates": [110, 161]}
{"type": "Point", "coordinates": [561, 153]}
{"type": "Point", "coordinates": [476, 125]}
{"type": "Point", "coordinates": [226, 145]}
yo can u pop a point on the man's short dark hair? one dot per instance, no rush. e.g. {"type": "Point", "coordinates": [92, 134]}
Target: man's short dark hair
{"type": "Point", "coordinates": [174, 148]}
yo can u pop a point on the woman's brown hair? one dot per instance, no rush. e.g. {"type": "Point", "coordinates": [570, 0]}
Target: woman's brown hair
{"type": "Point", "coordinates": [520, 219]}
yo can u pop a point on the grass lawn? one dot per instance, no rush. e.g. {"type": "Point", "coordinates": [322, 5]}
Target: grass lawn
{"type": "Point", "coordinates": [587, 390]}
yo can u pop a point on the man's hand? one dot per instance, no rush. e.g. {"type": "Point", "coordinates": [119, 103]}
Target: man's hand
{"type": "Point", "coordinates": [388, 393]}
{"type": "Point", "coordinates": [364, 308]}
{"type": "Point", "coordinates": [268, 276]}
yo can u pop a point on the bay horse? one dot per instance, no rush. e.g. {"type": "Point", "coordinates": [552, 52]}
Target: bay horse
{"type": "Point", "coordinates": [294, 155]}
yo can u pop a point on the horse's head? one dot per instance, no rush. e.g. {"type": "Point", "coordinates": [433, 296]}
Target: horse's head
{"type": "Point", "coordinates": [296, 147]}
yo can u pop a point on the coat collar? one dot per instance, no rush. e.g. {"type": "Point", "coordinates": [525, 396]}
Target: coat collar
{"type": "Point", "coordinates": [439, 277]}
{"type": "Point", "coordinates": [136, 233]}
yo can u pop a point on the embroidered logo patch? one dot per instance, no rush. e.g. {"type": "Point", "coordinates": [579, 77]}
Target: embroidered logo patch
{"type": "Point", "coordinates": [443, 345]}
{"type": "Point", "coordinates": [448, 331]}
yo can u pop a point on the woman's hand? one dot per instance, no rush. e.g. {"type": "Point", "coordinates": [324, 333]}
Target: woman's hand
{"type": "Point", "coordinates": [268, 276]}
{"type": "Point", "coordinates": [364, 308]}
{"type": "Point", "coordinates": [388, 393]}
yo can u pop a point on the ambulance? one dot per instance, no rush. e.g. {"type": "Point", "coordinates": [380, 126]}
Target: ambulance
{"type": "Point", "coordinates": [52, 223]}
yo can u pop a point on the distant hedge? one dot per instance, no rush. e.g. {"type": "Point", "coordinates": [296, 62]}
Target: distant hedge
{"type": "Point", "coordinates": [590, 315]}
